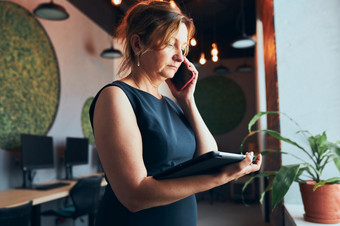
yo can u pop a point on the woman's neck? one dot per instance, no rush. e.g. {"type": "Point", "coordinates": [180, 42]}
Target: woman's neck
{"type": "Point", "coordinates": [145, 83]}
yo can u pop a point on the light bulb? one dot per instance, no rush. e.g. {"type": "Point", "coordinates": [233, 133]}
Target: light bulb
{"type": "Point", "coordinates": [215, 58]}
{"type": "Point", "coordinates": [193, 42]}
{"type": "Point", "coordinates": [214, 50]}
{"type": "Point", "coordinates": [116, 2]}
{"type": "Point", "coordinates": [202, 59]}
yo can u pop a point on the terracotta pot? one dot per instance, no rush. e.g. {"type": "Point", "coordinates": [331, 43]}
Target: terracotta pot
{"type": "Point", "coordinates": [321, 205]}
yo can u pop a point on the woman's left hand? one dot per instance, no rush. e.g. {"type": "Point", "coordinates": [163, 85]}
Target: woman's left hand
{"type": "Point", "coordinates": [188, 92]}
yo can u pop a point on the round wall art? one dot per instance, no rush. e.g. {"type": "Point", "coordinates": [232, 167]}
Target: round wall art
{"type": "Point", "coordinates": [221, 103]}
{"type": "Point", "coordinates": [29, 76]}
{"type": "Point", "coordinates": [85, 121]}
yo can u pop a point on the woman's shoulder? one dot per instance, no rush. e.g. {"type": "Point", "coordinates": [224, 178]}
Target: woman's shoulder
{"type": "Point", "coordinates": [108, 97]}
{"type": "Point", "coordinates": [113, 87]}
{"type": "Point", "coordinates": [113, 97]}
{"type": "Point", "coordinates": [114, 90]}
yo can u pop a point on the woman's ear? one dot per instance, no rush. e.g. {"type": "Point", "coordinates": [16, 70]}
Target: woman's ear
{"type": "Point", "coordinates": [136, 44]}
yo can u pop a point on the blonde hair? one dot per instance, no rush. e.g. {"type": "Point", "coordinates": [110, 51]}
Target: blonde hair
{"type": "Point", "coordinates": [155, 22]}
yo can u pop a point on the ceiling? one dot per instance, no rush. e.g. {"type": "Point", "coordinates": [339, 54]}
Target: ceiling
{"type": "Point", "coordinates": [216, 21]}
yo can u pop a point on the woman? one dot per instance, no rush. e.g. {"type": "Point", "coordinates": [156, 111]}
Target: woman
{"type": "Point", "coordinates": [139, 132]}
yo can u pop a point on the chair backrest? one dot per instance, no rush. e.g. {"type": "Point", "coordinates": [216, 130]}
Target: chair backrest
{"type": "Point", "coordinates": [85, 195]}
{"type": "Point", "coordinates": [16, 216]}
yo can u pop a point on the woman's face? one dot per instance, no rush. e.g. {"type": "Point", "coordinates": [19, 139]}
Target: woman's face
{"type": "Point", "coordinates": [165, 62]}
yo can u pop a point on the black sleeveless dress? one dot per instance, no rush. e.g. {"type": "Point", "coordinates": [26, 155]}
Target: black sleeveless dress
{"type": "Point", "coordinates": [168, 140]}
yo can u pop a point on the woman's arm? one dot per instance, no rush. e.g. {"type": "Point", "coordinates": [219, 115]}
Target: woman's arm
{"type": "Point", "coordinates": [204, 139]}
{"type": "Point", "coordinates": [185, 98]}
{"type": "Point", "coordinates": [119, 145]}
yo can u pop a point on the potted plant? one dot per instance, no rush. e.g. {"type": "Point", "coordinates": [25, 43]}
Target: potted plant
{"type": "Point", "coordinates": [308, 173]}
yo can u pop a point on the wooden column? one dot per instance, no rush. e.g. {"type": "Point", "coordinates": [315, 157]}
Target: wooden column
{"type": "Point", "coordinates": [273, 161]}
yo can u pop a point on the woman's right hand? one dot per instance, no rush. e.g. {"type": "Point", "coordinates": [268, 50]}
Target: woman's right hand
{"type": "Point", "coordinates": [188, 92]}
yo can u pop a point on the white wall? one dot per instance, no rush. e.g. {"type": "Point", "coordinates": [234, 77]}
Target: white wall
{"type": "Point", "coordinates": [308, 56]}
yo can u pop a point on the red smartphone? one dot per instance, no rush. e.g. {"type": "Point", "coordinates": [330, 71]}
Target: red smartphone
{"type": "Point", "coordinates": [182, 77]}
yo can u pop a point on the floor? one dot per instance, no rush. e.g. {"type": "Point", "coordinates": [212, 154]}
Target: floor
{"type": "Point", "coordinates": [229, 213]}
{"type": "Point", "coordinates": [224, 212]}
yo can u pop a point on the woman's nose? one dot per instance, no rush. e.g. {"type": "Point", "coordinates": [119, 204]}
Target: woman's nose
{"type": "Point", "coordinates": [179, 55]}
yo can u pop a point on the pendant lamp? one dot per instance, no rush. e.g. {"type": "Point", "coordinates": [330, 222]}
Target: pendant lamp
{"type": "Point", "coordinates": [244, 68]}
{"type": "Point", "coordinates": [111, 53]}
{"type": "Point", "coordinates": [221, 70]}
{"type": "Point", "coordinates": [51, 11]}
{"type": "Point", "coordinates": [244, 41]}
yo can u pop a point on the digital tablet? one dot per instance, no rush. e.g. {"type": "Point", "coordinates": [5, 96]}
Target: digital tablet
{"type": "Point", "coordinates": [203, 164]}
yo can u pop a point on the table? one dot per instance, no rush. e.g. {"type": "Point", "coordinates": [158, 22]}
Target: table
{"type": "Point", "coordinates": [15, 197]}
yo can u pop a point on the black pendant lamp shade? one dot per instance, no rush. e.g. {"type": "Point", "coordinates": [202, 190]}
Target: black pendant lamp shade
{"type": "Point", "coordinates": [111, 53]}
{"type": "Point", "coordinates": [244, 68]}
{"type": "Point", "coordinates": [221, 70]}
{"type": "Point", "coordinates": [51, 11]}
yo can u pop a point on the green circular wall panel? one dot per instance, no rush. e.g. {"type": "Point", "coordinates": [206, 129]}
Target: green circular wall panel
{"type": "Point", "coordinates": [221, 103]}
{"type": "Point", "coordinates": [85, 121]}
{"type": "Point", "coordinates": [29, 76]}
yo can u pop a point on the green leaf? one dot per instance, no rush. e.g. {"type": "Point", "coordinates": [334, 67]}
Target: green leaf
{"type": "Point", "coordinates": [337, 163]}
{"type": "Point", "coordinates": [257, 117]}
{"type": "Point", "coordinates": [335, 149]}
{"type": "Point", "coordinates": [263, 174]}
{"type": "Point", "coordinates": [277, 135]}
{"type": "Point", "coordinates": [333, 180]}
{"type": "Point", "coordinates": [282, 182]}
{"type": "Point", "coordinates": [312, 144]}
{"type": "Point", "coordinates": [262, 197]}
{"type": "Point", "coordinates": [268, 188]}
{"type": "Point", "coordinates": [301, 170]}
{"type": "Point", "coordinates": [322, 138]}
{"type": "Point", "coordinates": [313, 177]}
{"type": "Point", "coordinates": [244, 140]}
{"type": "Point", "coordinates": [321, 143]}
{"type": "Point", "coordinates": [321, 183]}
